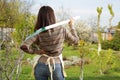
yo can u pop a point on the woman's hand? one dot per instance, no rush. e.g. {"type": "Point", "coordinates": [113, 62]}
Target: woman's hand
{"type": "Point", "coordinates": [24, 48]}
{"type": "Point", "coordinates": [71, 23]}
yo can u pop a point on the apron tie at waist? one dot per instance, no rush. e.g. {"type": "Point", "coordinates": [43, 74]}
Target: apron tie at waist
{"type": "Point", "coordinates": [51, 60]}
{"type": "Point", "coordinates": [48, 62]}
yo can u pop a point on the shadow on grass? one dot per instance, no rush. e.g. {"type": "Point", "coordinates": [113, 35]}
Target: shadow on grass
{"type": "Point", "coordinates": [96, 78]}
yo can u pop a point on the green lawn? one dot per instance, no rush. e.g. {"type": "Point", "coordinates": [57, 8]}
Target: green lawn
{"type": "Point", "coordinates": [73, 72]}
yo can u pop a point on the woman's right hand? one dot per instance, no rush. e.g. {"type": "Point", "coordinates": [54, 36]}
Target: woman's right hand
{"type": "Point", "coordinates": [71, 23]}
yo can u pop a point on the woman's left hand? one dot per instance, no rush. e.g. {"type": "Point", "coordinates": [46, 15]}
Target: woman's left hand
{"type": "Point", "coordinates": [24, 48]}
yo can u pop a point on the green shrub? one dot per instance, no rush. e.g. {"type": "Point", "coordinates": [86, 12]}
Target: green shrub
{"type": "Point", "coordinates": [106, 45]}
{"type": "Point", "coordinates": [113, 44]}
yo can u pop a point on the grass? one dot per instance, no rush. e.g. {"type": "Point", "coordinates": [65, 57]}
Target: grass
{"type": "Point", "coordinates": [91, 70]}
{"type": "Point", "coordinates": [73, 72]}
{"type": "Point", "coordinates": [69, 51]}
{"type": "Point", "coordinates": [26, 73]}
{"type": "Point", "coordinates": [90, 73]}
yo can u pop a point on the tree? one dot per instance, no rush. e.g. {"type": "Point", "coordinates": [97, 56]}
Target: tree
{"type": "Point", "coordinates": [83, 30]}
{"type": "Point", "coordinates": [19, 18]}
{"type": "Point", "coordinates": [62, 14]}
{"type": "Point", "coordinates": [92, 21]}
{"type": "Point", "coordinates": [8, 15]}
{"type": "Point", "coordinates": [9, 12]}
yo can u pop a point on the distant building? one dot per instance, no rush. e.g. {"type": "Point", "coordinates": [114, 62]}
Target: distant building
{"type": "Point", "coordinates": [107, 34]}
{"type": "Point", "coordinates": [5, 33]}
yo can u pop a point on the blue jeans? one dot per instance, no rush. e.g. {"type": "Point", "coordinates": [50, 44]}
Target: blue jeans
{"type": "Point", "coordinates": [42, 72]}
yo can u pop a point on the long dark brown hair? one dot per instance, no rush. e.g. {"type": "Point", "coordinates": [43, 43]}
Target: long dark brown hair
{"type": "Point", "coordinates": [45, 17]}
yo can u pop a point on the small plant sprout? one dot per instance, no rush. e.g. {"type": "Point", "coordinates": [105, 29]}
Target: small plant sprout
{"type": "Point", "coordinates": [110, 21]}
{"type": "Point", "coordinates": [99, 10]}
{"type": "Point", "coordinates": [84, 50]}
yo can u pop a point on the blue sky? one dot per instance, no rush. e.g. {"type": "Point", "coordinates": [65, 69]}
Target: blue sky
{"type": "Point", "coordinates": [83, 8]}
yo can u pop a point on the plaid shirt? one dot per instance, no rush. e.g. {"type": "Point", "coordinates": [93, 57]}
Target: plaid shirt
{"type": "Point", "coordinates": [51, 41]}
